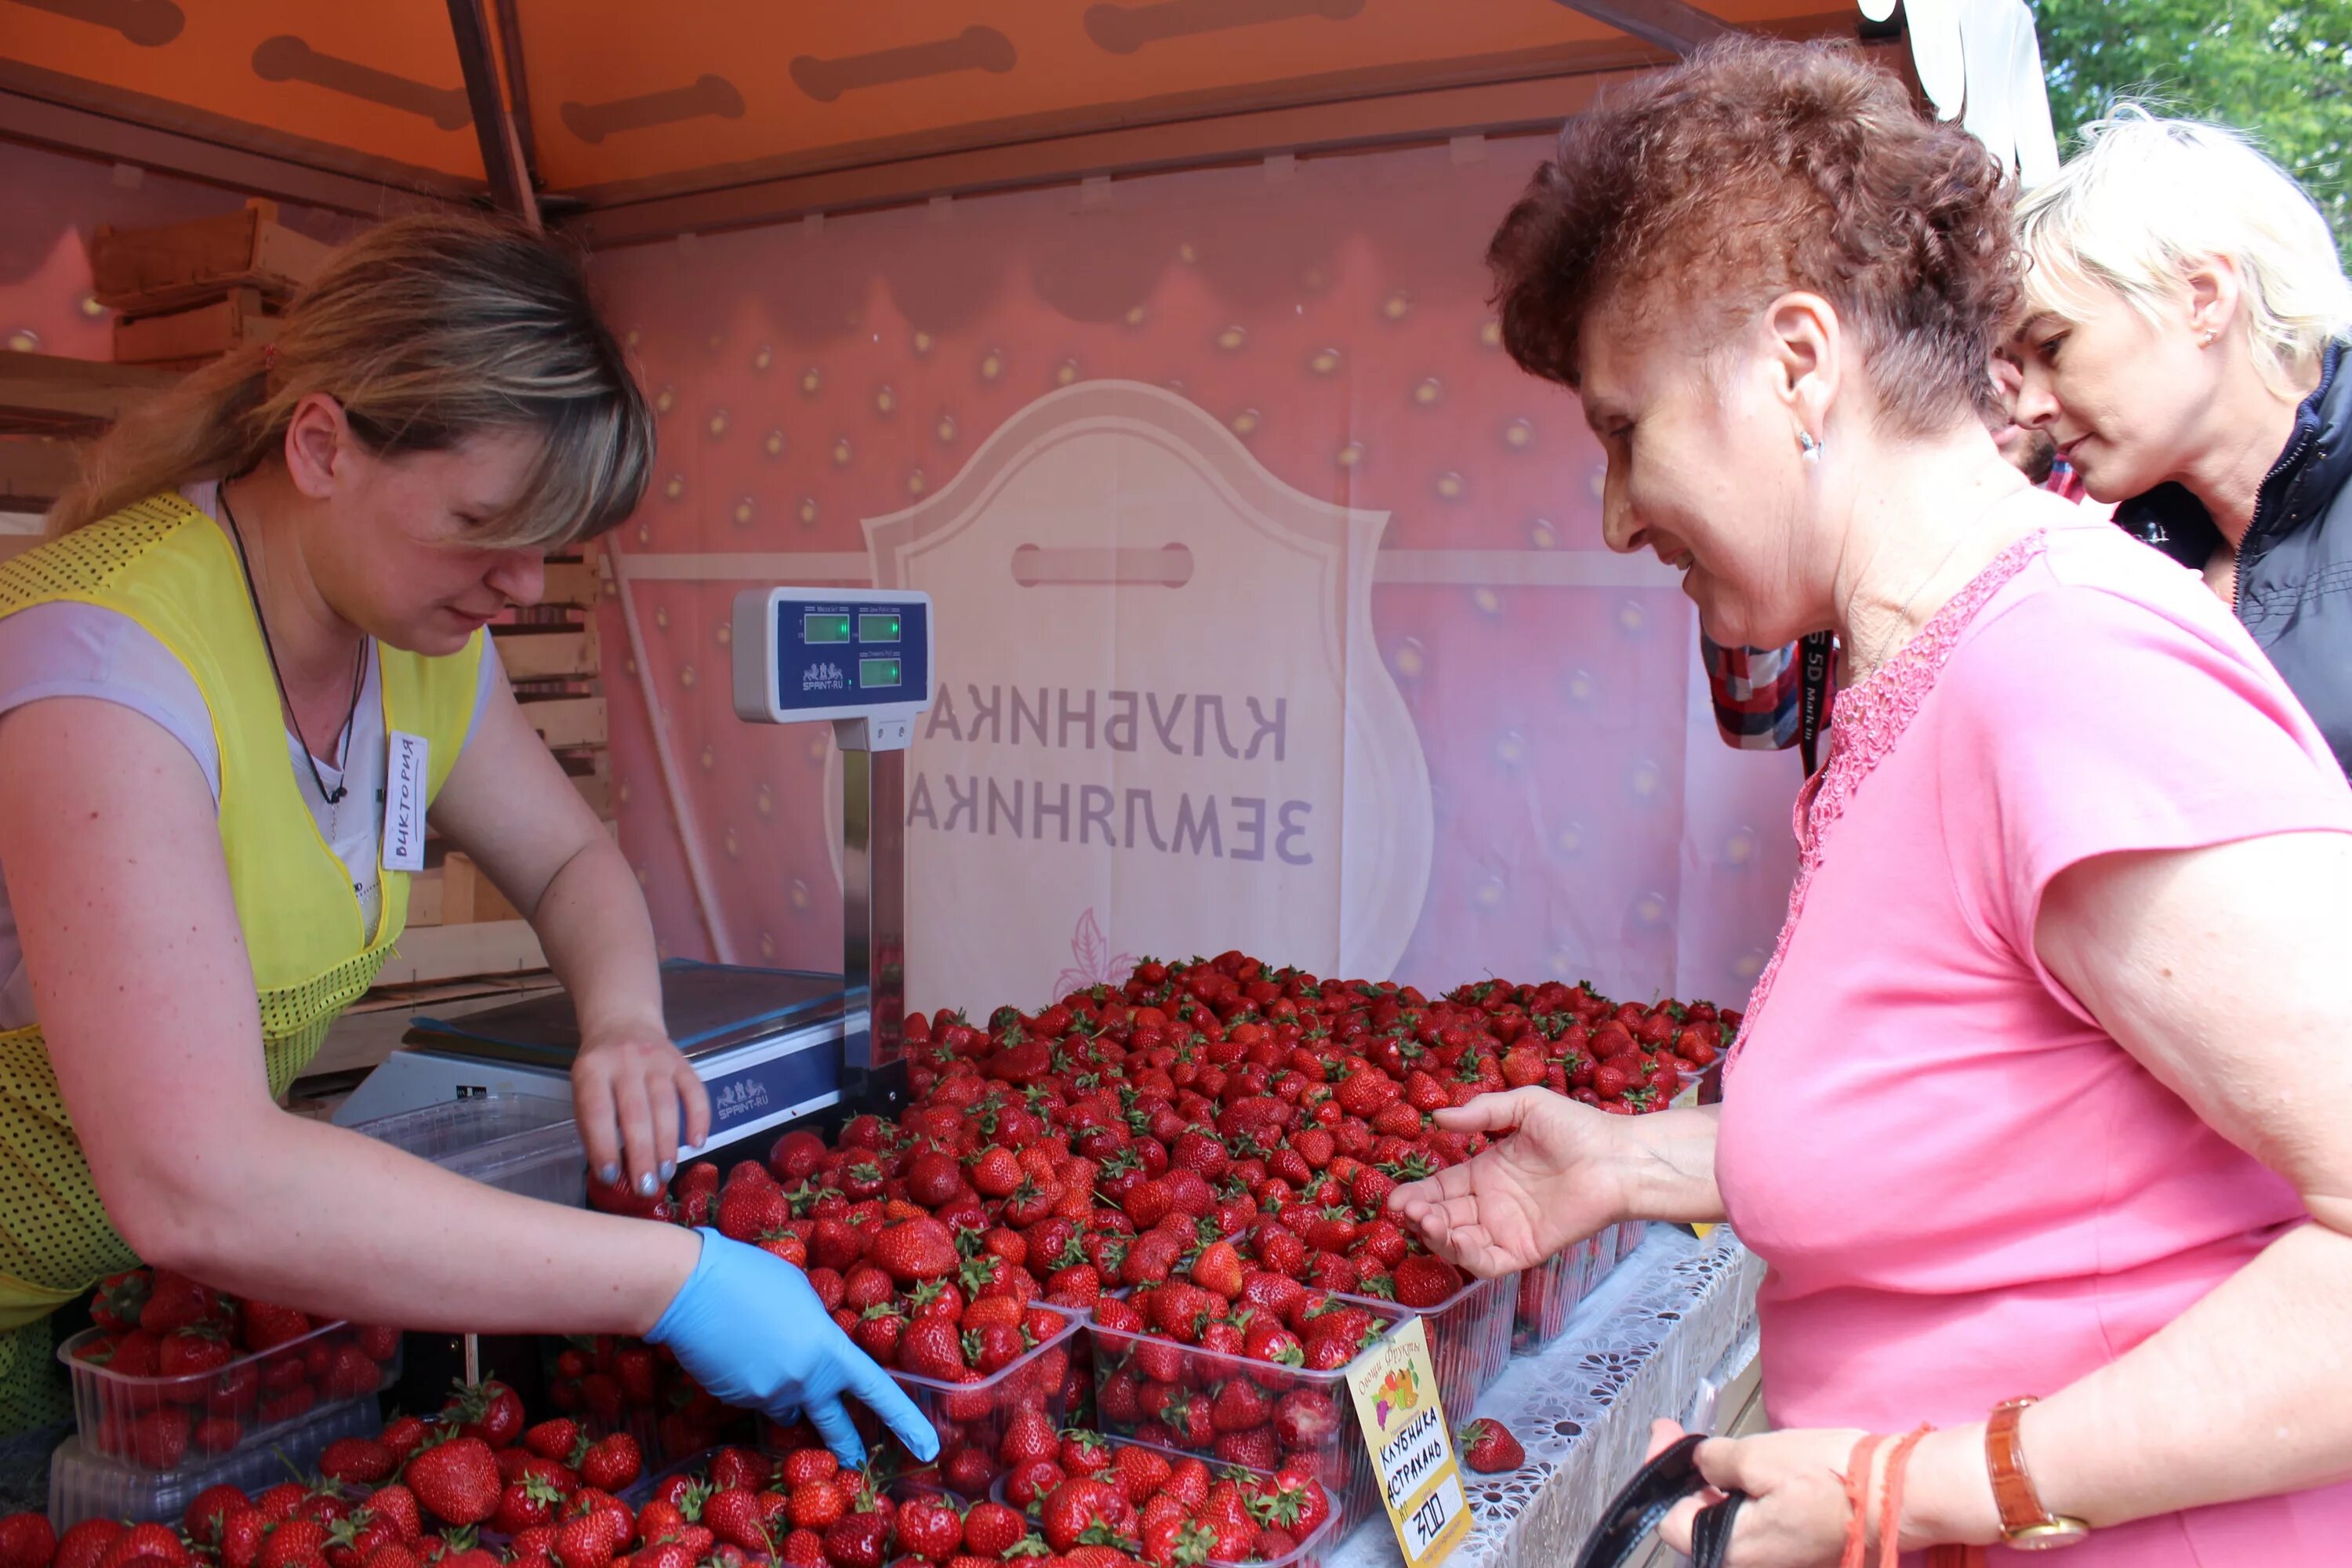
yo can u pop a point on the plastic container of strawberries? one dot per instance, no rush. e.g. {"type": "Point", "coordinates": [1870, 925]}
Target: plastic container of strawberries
{"type": "Point", "coordinates": [1630, 1234]}
{"type": "Point", "coordinates": [974, 1416]}
{"type": "Point", "coordinates": [1549, 1292]}
{"type": "Point", "coordinates": [84, 1484]}
{"type": "Point", "coordinates": [1469, 1338]}
{"type": "Point", "coordinates": [1337, 1459]}
{"type": "Point", "coordinates": [164, 1424]}
{"type": "Point", "coordinates": [518, 1143]}
{"type": "Point", "coordinates": [1309, 1553]}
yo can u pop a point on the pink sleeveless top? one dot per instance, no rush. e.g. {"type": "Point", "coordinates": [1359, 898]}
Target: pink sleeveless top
{"type": "Point", "coordinates": [1965, 1189]}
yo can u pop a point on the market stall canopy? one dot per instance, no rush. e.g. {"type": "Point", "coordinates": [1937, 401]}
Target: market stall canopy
{"type": "Point", "coordinates": [639, 120]}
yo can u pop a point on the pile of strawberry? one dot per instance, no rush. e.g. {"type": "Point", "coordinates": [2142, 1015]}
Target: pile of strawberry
{"type": "Point", "coordinates": [210, 1369]}
{"type": "Point", "coordinates": [1132, 1502]}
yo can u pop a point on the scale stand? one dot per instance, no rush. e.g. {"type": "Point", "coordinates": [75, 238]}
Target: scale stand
{"type": "Point", "coordinates": [862, 658]}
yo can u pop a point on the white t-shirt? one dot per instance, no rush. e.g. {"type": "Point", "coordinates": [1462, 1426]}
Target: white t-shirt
{"type": "Point", "coordinates": [81, 650]}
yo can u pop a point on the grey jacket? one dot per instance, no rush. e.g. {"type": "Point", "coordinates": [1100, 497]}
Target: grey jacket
{"type": "Point", "coordinates": [2294, 568]}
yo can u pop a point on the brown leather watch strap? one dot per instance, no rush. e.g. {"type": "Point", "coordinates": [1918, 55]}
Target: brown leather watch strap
{"type": "Point", "coordinates": [2012, 1489]}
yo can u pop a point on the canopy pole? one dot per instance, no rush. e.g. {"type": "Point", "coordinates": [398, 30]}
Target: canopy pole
{"type": "Point", "coordinates": [1669, 23]}
{"type": "Point", "coordinates": [502, 158]}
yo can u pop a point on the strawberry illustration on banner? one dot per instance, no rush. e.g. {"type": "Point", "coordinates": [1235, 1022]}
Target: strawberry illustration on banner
{"type": "Point", "coordinates": [1097, 964]}
{"type": "Point", "coordinates": [1159, 700]}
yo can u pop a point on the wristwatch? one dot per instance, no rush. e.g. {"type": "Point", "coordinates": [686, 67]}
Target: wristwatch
{"type": "Point", "coordinates": [2025, 1524]}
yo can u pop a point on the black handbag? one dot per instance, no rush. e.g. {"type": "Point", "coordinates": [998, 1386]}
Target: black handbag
{"type": "Point", "coordinates": [1648, 1497]}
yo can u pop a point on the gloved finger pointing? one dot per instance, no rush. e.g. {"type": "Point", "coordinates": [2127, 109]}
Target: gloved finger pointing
{"type": "Point", "coordinates": [882, 1394]}
{"type": "Point", "coordinates": [832, 1423]}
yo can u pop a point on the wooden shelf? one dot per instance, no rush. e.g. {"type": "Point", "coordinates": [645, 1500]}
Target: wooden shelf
{"type": "Point", "coordinates": [49, 394]}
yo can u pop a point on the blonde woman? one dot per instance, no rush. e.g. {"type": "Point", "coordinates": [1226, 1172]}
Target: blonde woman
{"type": "Point", "coordinates": [257, 636]}
{"type": "Point", "coordinates": [2186, 320]}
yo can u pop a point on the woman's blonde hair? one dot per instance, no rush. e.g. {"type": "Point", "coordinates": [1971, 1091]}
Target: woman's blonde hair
{"type": "Point", "coordinates": [2147, 199]}
{"type": "Point", "coordinates": [427, 330]}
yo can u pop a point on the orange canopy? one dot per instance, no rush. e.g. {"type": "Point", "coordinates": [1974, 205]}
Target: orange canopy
{"type": "Point", "coordinates": [620, 105]}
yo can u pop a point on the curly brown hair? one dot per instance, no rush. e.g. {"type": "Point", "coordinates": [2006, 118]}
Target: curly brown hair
{"type": "Point", "coordinates": [1756, 167]}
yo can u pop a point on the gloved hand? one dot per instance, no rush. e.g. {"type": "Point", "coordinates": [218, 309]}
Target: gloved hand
{"type": "Point", "coordinates": [747, 1327]}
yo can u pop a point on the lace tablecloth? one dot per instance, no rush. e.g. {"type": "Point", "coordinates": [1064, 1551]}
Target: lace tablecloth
{"type": "Point", "coordinates": [1639, 1348]}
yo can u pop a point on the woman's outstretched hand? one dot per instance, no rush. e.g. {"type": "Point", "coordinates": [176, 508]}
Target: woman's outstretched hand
{"type": "Point", "coordinates": [1551, 1178]}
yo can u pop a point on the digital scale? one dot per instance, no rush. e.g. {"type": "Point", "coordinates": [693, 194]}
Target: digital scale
{"type": "Point", "coordinates": [774, 1047]}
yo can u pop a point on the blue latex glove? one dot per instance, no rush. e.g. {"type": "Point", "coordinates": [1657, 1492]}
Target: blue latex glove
{"type": "Point", "coordinates": [749, 1328]}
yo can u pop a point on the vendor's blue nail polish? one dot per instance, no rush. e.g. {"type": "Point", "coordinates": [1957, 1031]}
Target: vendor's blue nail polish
{"type": "Point", "coordinates": [608, 1175]}
{"type": "Point", "coordinates": [669, 1169]}
{"type": "Point", "coordinates": [647, 1185]}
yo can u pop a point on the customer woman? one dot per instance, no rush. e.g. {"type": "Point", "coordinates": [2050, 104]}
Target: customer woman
{"type": "Point", "coordinates": [2041, 1093]}
{"type": "Point", "coordinates": [250, 664]}
{"type": "Point", "coordinates": [2186, 320]}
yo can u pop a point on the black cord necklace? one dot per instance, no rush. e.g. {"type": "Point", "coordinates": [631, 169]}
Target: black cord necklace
{"type": "Point", "coordinates": [358, 664]}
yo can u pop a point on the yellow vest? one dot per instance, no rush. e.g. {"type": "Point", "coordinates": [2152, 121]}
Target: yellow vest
{"type": "Point", "coordinates": [165, 565]}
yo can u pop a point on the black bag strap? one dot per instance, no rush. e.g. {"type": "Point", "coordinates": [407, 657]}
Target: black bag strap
{"type": "Point", "coordinates": [1634, 1512]}
{"type": "Point", "coordinates": [1813, 693]}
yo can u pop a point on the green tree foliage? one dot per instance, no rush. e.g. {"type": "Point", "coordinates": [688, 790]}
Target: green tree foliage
{"type": "Point", "coordinates": [2280, 70]}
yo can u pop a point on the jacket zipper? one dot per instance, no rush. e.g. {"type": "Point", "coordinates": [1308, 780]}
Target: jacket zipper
{"type": "Point", "coordinates": [2305, 436]}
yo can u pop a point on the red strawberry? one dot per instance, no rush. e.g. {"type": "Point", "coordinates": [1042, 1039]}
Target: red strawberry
{"type": "Point", "coordinates": [524, 1505]}
{"type": "Point", "coordinates": [396, 1505]}
{"type": "Point", "coordinates": [1487, 1446]}
{"type": "Point", "coordinates": [148, 1546]}
{"type": "Point", "coordinates": [201, 1523]}
{"type": "Point", "coordinates": [1085, 1512]}
{"type": "Point", "coordinates": [357, 1461]}
{"type": "Point", "coordinates": [241, 1536]}
{"type": "Point", "coordinates": [816, 1504]}
{"type": "Point", "coordinates": [85, 1544]}
{"type": "Point", "coordinates": [26, 1541]}
{"type": "Point", "coordinates": [585, 1542]}
{"type": "Point", "coordinates": [929, 1529]}
{"type": "Point", "coordinates": [612, 1464]}
{"type": "Point", "coordinates": [932, 1349]}
{"type": "Point", "coordinates": [735, 1516]}
{"type": "Point", "coordinates": [557, 1441]}
{"type": "Point", "coordinates": [1219, 1268]}
{"type": "Point", "coordinates": [488, 1410]}
{"type": "Point", "coordinates": [992, 1529]}
{"type": "Point", "coordinates": [457, 1482]}
{"type": "Point", "coordinates": [857, 1540]}
{"type": "Point", "coordinates": [1426, 1281]}
{"type": "Point", "coordinates": [297, 1543]}
{"type": "Point", "coordinates": [914, 1250]}
{"type": "Point", "coordinates": [1240, 1405]}
{"type": "Point", "coordinates": [404, 1435]}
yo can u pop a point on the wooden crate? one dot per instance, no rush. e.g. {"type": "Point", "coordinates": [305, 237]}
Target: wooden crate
{"type": "Point", "coordinates": [468, 897]}
{"type": "Point", "coordinates": [446, 951]}
{"type": "Point", "coordinates": [564, 722]}
{"type": "Point", "coordinates": [35, 470]}
{"type": "Point", "coordinates": [547, 653]}
{"type": "Point", "coordinates": [574, 582]}
{"type": "Point", "coordinates": [147, 270]}
{"type": "Point", "coordinates": [189, 337]}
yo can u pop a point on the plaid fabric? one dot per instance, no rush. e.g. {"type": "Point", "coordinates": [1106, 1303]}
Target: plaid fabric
{"type": "Point", "coordinates": [1756, 692]}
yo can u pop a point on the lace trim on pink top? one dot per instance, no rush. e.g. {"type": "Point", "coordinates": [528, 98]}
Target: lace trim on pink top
{"type": "Point", "coordinates": [1866, 722]}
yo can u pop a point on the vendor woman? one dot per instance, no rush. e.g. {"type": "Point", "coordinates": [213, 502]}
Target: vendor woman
{"type": "Point", "coordinates": [2038, 1113]}
{"type": "Point", "coordinates": [255, 638]}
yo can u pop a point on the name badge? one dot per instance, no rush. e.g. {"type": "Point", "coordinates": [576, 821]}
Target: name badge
{"type": "Point", "coordinates": [404, 803]}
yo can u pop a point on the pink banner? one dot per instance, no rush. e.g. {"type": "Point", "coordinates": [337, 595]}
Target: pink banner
{"type": "Point", "coordinates": [1237, 435]}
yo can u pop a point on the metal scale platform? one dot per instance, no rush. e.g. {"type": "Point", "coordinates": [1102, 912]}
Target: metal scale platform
{"type": "Point", "coordinates": [774, 1047]}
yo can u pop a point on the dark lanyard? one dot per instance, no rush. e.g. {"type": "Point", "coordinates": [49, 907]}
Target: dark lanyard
{"type": "Point", "coordinates": [1813, 693]}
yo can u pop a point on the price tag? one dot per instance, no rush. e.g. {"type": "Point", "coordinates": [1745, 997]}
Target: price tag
{"type": "Point", "coordinates": [1404, 1428]}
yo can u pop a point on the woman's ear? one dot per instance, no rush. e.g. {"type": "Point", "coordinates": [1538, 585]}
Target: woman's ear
{"type": "Point", "coordinates": [318, 444]}
{"type": "Point", "coordinates": [2215, 290]}
{"type": "Point", "coordinates": [1802, 341]}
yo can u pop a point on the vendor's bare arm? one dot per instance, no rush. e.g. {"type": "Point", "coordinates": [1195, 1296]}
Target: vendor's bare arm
{"type": "Point", "coordinates": [145, 995]}
{"type": "Point", "coordinates": [508, 804]}
{"type": "Point", "coordinates": [2222, 971]}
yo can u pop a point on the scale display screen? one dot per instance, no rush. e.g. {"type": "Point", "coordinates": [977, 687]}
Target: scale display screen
{"type": "Point", "coordinates": [831, 654]}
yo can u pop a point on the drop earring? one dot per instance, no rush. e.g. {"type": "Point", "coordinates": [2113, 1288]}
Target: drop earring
{"type": "Point", "coordinates": [1810, 445]}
